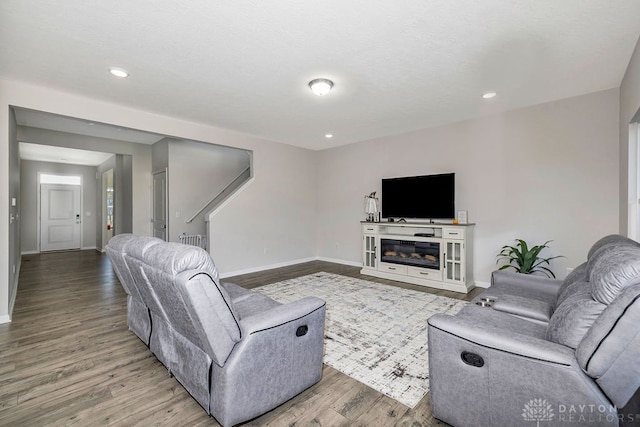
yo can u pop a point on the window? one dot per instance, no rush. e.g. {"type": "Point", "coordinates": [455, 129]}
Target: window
{"type": "Point", "coordinates": [60, 179]}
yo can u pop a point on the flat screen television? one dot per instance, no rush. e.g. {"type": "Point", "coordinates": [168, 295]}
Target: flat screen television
{"type": "Point", "coordinates": [419, 197]}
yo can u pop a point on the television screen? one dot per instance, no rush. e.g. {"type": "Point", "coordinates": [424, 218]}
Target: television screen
{"type": "Point", "coordinates": [419, 197]}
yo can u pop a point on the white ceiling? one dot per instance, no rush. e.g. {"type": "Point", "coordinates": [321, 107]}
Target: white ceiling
{"type": "Point", "coordinates": [398, 66]}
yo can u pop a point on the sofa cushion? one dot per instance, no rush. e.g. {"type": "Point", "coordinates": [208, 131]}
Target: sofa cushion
{"type": "Point", "coordinates": [573, 318]}
{"type": "Point", "coordinates": [525, 307]}
{"type": "Point", "coordinates": [254, 304]}
{"type": "Point", "coordinates": [578, 274]}
{"type": "Point", "coordinates": [613, 271]}
{"type": "Point", "coordinates": [578, 286]}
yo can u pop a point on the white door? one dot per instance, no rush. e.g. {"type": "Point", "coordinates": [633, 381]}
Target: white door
{"type": "Point", "coordinates": [60, 220]}
{"type": "Point", "coordinates": [160, 205]}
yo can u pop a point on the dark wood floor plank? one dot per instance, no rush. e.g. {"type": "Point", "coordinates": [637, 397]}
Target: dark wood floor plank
{"type": "Point", "coordinates": [67, 358]}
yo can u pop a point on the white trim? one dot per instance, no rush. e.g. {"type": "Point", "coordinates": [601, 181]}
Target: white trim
{"type": "Point", "coordinates": [482, 284]}
{"type": "Point", "coordinates": [229, 199]}
{"type": "Point", "coordinates": [87, 248]}
{"type": "Point", "coordinates": [29, 252]}
{"type": "Point", "coordinates": [5, 319]}
{"type": "Point", "coordinates": [340, 261]}
{"type": "Point", "coordinates": [266, 267]}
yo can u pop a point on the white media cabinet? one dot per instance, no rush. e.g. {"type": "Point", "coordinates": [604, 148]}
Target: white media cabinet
{"type": "Point", "coordinates": [434, 255]}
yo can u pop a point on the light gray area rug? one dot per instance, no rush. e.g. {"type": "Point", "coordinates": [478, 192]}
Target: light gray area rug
{"type": "Point", "coordinates": [376, 334]}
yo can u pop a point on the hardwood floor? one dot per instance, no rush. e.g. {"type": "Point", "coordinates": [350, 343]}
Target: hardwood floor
{"type": "Point", "coordinates": [67, 358]}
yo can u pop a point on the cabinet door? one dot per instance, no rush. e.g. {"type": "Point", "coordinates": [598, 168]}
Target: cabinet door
{"type": "Point", "coordinates": [454, 261]}
{"type": "Point", "coordinates": [369, 251]}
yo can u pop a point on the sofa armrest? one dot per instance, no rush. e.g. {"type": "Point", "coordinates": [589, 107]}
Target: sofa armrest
{"type": "Point", "coordinates": [503, 340]}
{"type": "Point", "coordinates": [280, 315]}
{"type": "Point", "coordinates": [279, 356]}
{"type": "Point", "coordinates": [509, 279]}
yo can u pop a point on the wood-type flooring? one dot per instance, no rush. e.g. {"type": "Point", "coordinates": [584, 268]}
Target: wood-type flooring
{"type": "Point", "coordinates": [67, 358]}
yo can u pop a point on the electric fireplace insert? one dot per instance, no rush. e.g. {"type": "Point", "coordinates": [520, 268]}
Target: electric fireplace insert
{"type": "Point", "coordinates": [410, 252]}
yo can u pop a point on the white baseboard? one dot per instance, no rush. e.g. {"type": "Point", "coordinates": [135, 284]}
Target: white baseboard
{"type": "Point", "coordinates": [86, 248]}
{"type": "Point", "coordinates": [5, 319]}
{"type": "Point", "coordinates": [265, 267]}
{"type": "Point", "coordinates": [29, 252]}
{"type": "Point", "coordinates": [340, 261]}
{"type": "Point", "coordinates": [482, 284]}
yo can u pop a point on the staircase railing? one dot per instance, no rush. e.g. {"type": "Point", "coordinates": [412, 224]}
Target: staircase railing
{"type": "Point", "coordinates": [223, 193]}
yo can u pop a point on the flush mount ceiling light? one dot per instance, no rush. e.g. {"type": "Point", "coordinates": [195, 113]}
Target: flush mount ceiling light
{"type": "Point", "coordinates": [118, 72]}
{"type": "Point", "coordinates": [320, 87]}
{"type": "Point", "coordinates": [489, 95]}
{"type": "Point", "coordinates": [328, 135]}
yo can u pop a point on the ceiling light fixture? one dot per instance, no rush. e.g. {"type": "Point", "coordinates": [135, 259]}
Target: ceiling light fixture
{"type": "Point", "coordinates": [489, 95]}
{"type": "Point", "coordinates": [320, 87]}
{"type": "Point", "coordinates": [118, 72]}
{"type": "Point", "coordinates": [328, 135]}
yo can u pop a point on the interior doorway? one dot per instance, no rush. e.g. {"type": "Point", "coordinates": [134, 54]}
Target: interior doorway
{"type": "Point", "coordinates": [159, 196]}
{"type": "Point", "coordinates": [60, 206]}
{"type": "Point", "coordinates": [108, 212]}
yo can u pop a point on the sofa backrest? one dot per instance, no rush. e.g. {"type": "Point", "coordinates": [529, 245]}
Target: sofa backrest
{"type": "Point", "coordinates": [581, 273]}
{"type": "Point", "coordinates": [610, 350]}
{"type": "Point", "coordinates": [601, 320]}
{"type": "Point", "coordinates": [134, 259]}
{"type": "Point", "coordinates": [610, 240]}
{"type": "Point", "coordinates": [185, 280]}
{"type": "Point", "coordinates": [115, 251]}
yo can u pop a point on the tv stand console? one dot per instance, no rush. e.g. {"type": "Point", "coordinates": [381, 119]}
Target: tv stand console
{"type": "Point", "coordinates": [434, 255]}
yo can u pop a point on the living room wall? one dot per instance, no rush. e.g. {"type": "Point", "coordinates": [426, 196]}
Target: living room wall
{"type": "Point", "coordinates": [277, 210]}
{"type": "Point", "coordinates": [547, 172]}
{"type": "Point", "coordinates": [629, 112]}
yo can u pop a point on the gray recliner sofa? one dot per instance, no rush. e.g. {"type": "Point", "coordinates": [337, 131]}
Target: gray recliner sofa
{"type": "Point", "coordinates": [236, 351]}
{"type": "Point", "coordinates": [532, 349]}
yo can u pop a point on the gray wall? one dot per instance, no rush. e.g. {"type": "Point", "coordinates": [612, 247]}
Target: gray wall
{"type": "Point", "coordinates": [548, 172]}
{"type": "Point", "coordinates": [14, 212]}
{"type": "Point", "coordinates": [29, 193]}
{"type": "Point", "coordinates": [272, 221]}
{"type": "Point", "coordinates": [629, 111]}
{"type": "Point", "coordinates": [197, 173]}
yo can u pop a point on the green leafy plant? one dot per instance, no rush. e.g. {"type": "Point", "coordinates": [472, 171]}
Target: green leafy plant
{"type": "Point", "coordinates": [525, 259]}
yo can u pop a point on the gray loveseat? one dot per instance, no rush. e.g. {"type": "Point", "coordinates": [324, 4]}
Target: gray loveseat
{"type": "Point", "coordinates": [236, 351]}
{"type": "Point", "coordinates": [531, 350]}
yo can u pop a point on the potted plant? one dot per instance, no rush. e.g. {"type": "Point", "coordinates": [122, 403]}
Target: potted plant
{"type": "Point", "coordinates": [525, 259]}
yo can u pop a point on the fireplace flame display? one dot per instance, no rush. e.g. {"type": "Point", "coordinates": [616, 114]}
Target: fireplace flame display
{"type": "Point", "coordinates": [408, 252]}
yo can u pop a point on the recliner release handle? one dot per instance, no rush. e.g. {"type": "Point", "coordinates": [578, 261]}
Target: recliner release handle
{"type": "Point", "coordinates": [472, 359]}
{"type": "Point", "coordinates": [302, 330]}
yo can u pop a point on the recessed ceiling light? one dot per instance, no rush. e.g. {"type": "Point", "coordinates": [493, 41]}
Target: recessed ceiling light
{"type": "Point", "coordinates": [489, 95]}
{"type": "Point", "coordinates": [118, 72]}
{"type": "Point", "coordinates": [328, 135]}
{"type": "Point", "coordinates": [320, 87]}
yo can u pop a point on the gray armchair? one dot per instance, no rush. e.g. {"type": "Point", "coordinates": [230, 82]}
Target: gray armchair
{"type": "Point", "coordinates": [509, 365]}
